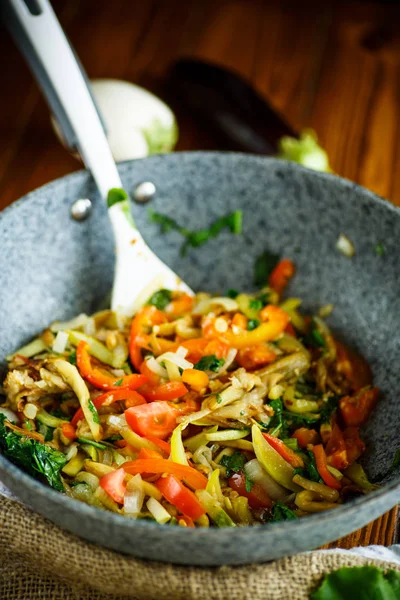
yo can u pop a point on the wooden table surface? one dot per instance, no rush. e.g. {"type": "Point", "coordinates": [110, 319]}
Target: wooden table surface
{"type": "Point", "coordinates": [331, 65]}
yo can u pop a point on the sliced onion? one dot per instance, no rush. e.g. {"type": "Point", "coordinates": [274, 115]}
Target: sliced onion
{"type": "Point", "coordinates": [256, 473]}
{"type": "Point", "coordinates": [30, 410]}
{"type": "Point", "coordinates": [204, 306]}
{"type": "Point", "coordinates": [72, 451]}
{"type": "Point", "coordinates": [60, 342]}
{"type": "Point", "coordinates": [90, 327]}
{"type": "Point", "coordinates": [75, 323]}
{"type": "Point", "coordinates": [9, 415]}
{"type": "Point", "coordinates": [133, 502]}
{"type": "Point", "coordinates": [118, 421]}
{"type": "Point", "coordinates": [158, 511]}
{"type": "Point", "coordinates": [156, 368]}
{"type": "Point", "coordinates": [173, 357]}
{"type": "Point", "coordinates": [182, 352]}
{"type": "Point", "coordinates": [89, 478]}
{"type": "Point", "coordinates": [173, 371]}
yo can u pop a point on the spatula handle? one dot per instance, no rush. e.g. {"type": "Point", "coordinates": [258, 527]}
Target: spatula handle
{"type": "Point", "coordinates": [38, 33]}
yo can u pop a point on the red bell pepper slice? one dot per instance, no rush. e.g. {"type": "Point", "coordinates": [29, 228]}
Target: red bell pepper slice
{"type": "Point", "coordinates": [180, 496]}
{"type": "Point", "coordinates": [322, 467]}
{"type": "Point", "coordinates": [355, 447]}
{"type": "Point", "coordinates": [336, 451]}
{"type": "Point", "coordinates": [103, 380]}
{"type": "Point", "coordinates": [157, 419]}
{"type": "Point", "coordinates": [108, 398]}
{"type": "Point", "coordinates": [113, 484]}
{"type": "Point", "coordinates": [147, 453]}
{"type": "Point", "coordinates": [281, 275]}
{"type": "Point", "coordinates": [194, 478]}
{"type": "Point", "coordinates": [287, 453]}
{"type": "Point", "coordinates": [257, 497]}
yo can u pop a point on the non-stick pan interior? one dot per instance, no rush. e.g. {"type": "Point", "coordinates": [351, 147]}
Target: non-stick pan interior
{"type": "Point", "coordinates": [52, 267]}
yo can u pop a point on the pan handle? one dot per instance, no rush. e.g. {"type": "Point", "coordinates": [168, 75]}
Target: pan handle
{"type": "Point", "coordinates": [38, 34]}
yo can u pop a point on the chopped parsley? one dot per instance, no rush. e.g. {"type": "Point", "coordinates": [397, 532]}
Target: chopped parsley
{"type": "Point", "coordinates": [380, 249]}
{"type": "Point", "coordinates": [72, 357]}
{"type": "Point", "coordinates": [232, 221]}
{"type": "Point", "coordinates": [118, 383]}
{"type": "Point", "coordinates": [92, 443]}
{"type": "Point", "coordinates": [28, 425]}
{"type": "Point", "coordinates": [116, 195]}
{"type": "Point", "coordinates": [263, 267]}
{"type": "Point", "coordinates": [209, 363]}
{"type": "Point", "coordinates": [94, 412]}
{"type": "Point", "coordinates": [219, 398]}
{"type": "Point", "coordinates": [231, 293]}
{"type": "Point", "coordinates": [315, 339]}
{"type": "Point", "coordinates": [252, 324]}
{"type": "Point", "coordinates": [255, 304]}
{"type": "Point", "coordinates": [281, 512]}
{"type": "Point", "coordinates": [310, 470]}
{"type": "Point", "coordinates": [330, 406]}
{"type": "Point", "coordinates": [161, 299]}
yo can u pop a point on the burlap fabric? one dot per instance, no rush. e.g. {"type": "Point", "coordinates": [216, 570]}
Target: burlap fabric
{"type": "Point", "coordinates": [40, 561]}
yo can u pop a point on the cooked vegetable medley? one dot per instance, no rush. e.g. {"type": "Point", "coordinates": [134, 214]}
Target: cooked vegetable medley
{"type": "Point", "coordinates": [207, 411]}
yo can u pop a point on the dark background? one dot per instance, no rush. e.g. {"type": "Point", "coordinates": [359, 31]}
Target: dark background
{"type": "Point", "coordinates": [331, 65]}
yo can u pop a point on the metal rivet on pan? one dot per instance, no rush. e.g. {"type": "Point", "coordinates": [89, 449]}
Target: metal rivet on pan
{"type": "Point", "coordinates": [80, 209]}
{"type": "Point", "coordinates": [143, 192]}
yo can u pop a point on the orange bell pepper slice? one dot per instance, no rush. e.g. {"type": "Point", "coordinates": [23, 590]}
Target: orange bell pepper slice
{"type": "Point", "coordinates": [281, 275]}
{"type": "Point", "coordinates": [275, 323]}
{"type": "Point", "coordinates": [306, 436]}
{"type": "Point", "coordinates": [68, 430]}
{"type": "Point", "coordinates": [255, 356]}
{"type": "Point", "coordinates": [322, 467]}
{"type": "Point", "coordinates": [181, 304]}
{"type": "Point", "coordinates": [166, 391]}
{"type": "Point", "coordinates": [194, 478]}
{"type": "Point", "coordinates": [143, 321]}
{"type": "Point", "coordinates": [180, 496]}
{"type": "Point", "coordinates": [101, 379]}
{"type": "Point", "coordinates": [287, 453]}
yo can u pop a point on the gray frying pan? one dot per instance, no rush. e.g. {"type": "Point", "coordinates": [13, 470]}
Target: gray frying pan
{"type": "Point", "coordinates": [54, 267]}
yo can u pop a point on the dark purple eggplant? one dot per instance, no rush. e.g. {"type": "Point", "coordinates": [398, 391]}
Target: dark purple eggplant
{"type": "Point", "coordinates": [226, 103]}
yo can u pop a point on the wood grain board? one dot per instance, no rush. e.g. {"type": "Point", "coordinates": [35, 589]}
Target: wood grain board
{"type": "Point", "coordinates": [332, 65]}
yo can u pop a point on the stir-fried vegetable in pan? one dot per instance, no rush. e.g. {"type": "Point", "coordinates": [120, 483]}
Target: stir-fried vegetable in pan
{"type": "Point", "coordinates": [207, 411]}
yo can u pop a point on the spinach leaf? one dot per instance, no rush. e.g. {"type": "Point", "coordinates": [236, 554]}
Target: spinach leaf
{"type": "Point", "coordinates": [160, 299]}
{"type": "Point", "coordinates": [263, 267]}
{"type": "Point", "coordinates": [231, 293]}
{"type": "Point", "coordinates": [281, 512]}
{"type": "Point", "coordinates": [32, 456]}
{"type": "Point", "coordinates": [116, 195]}
{"type": "Point", "coordinates": [363, 583]}
{"type": "Point", "coordinates": [329, 408]}
{"type": "Point", "coordinates": [309, 471]}
{"type": "Point", "coordinates": [252, 324]}
{"type": "Point", "coordinates": [235, 464]}
{"type": "Point", "coordinates": [209, 362]}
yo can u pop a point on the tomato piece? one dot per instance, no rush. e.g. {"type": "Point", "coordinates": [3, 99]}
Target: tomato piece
{"type": "Point", "coordinates": [353, 366]}
{"type": "Point", "coordinates": [130, 396]}
{"type": "Point", "coordinates": [354, 445]}
{"type": "Point", "coordinates": [180, 496]}
{"type": "Point", "coordinates": [166, 391]}
{"type": "Point", "coordinates": [156, 418]}
{"type": "Point", "coordinates": [180, 305]}
{"type": "Point", "coordinates": [322, 467]}
{"type": "Point", "coordinates": [281, 275]}
{"type": "Point", "coordinates": [287, 453]}
{"type": "Point", "coordinates": [113, 484]}
{"type": "Point", "coordinates": [257, 497]}
{"type": "Point", "coordinates": [255, 356]}
{"type": "Point", "coordinates": [305, 436]}
{"type": "Point", "coordinates": [68, 430]}
{"type": "Point", "coordinates": [336, 450]}
{"type": "Point", "coordinates": [355, 410]}
{"type": "Point", "coordinates": [194, 478]}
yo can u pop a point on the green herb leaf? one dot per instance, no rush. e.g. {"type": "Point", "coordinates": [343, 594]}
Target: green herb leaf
{"type": "Point", "coordinates": [28, 425]}
{"type": "Point", "coordinates": [32, 456]}
{"type": "Point", "coordinates": [330, 407]}
{"type": "Point", "coordinates": [263, 267]}
{"type": "Point", "coordinates": [116, 195]}
{"type": "Point", "coordinates": [72, 357]}
{"type": "Point", "coordinates": [94, 412]}
{"type": "Point", "coordinates": [118, 382]}
{"type": "Point", "coordinates": [209, 363]}
{"type": "Point", "coordinates": [281, 512]}
{"type": "Point", "coordinates": [218, 398]}
{"type": "Point", "coordinates": [232, 221]}
{"type": "Point", "coordinates": [363, 583]}
{"type": "Point", "coordinates": [231, 293]}
{"type": "Point", "coordinates": [234, 463]}
{"type": "Point", "coordinates": [315, 339]}
{"type": "Point", "coordinates": [264, 298]}
{"type": "Point", "coordinates": [252, 324]}
{"type": "Point", "coordinates": [255, 304]}
{"type": "Point", "coordinates": [380, 249]}
{"type": "Point", "coordinates": [248, 483]}
{"type": "Point", "coordinates": [92, 443]}
{"type": "Point", "coordinates": [160, 299]}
